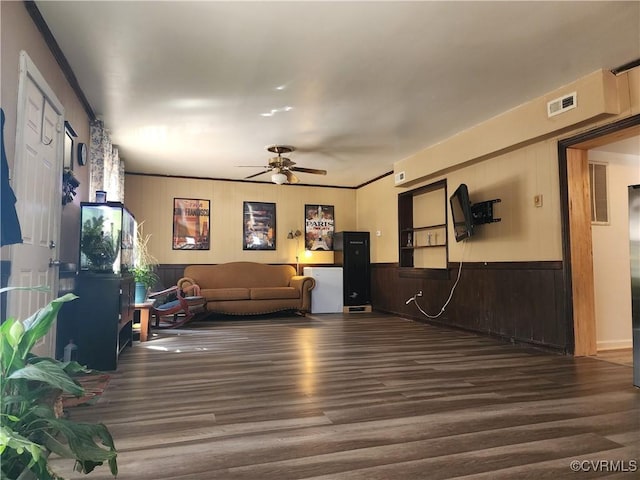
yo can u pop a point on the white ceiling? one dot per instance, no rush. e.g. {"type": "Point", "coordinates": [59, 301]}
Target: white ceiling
{"type": "Point", "coordinates": [199, 88]}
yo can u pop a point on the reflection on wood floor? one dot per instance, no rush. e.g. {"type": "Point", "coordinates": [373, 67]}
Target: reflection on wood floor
{"type": "Point", "coordinates": [360, 396]}
{"type": "Point", "coordinates": [623, 356]}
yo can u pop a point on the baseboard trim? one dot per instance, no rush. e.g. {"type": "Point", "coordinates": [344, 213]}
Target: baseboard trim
{"type": "Point", "coordinates": [614, 345]}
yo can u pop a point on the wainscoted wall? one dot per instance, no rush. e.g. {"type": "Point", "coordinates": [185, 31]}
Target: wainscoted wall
{"type": "Point", "coordinates": [517, 301]}
{"type": "Point", "coordinates": [170, 274]}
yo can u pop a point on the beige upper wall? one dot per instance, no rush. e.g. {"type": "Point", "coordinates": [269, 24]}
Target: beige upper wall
{"type": "Point", "coordinates": [515, 174]}
{"type": "Point", "coordinates": [150, 199]}
{"type": "Point", "coordinates": [525, 233]}
{"type": "Point", "coordinates": [598, 95]}
{"type": "Point", "coordinates": [377, 206]}
{"type": "Point", "coordinates": [18, 32]}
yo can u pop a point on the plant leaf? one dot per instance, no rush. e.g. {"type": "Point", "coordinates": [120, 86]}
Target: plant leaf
{"type": "Point", "coordinates": [37, 288]}
{"type": "Point", "coordinates": [9, 360]}
{"type": "Point", "coordinates": [14, 441]}
{"type": "Point", "coordinates": [50, 373]}
{"type": "Point", "coordinates": [81, 438]}
{"type": "Point", "coordinates": [14, 335]}
{"type": "Point", "coordinates": [38, 325]}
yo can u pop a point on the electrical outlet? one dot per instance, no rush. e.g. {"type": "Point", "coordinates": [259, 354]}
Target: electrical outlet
{"type": "Point", "coordinates": [537, 200]}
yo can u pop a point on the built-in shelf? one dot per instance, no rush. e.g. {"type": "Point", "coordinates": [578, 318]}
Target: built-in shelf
{"type": "Point", "coordinates": [423, 203]}
{"type": "Point", "coordinates": [426, 227]}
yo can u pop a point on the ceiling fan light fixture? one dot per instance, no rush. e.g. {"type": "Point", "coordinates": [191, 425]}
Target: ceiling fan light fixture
{"type": "Point", "coordinates": [279, 178]}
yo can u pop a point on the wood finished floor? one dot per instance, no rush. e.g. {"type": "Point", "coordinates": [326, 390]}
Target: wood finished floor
{"type": "Point", "coordinates": [623, 356]}
{"type": "Point", "coordinates": [360, 396]}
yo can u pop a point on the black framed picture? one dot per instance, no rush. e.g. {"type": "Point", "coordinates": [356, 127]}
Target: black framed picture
{"type": "Point", "coordinates": [259, 226]}
{"type": "Point", "coordinates": [319, 227]}
{"type": "Point", "coordinates": [191, 223]}
{"type": "Point", "coordinates": [69, 136]}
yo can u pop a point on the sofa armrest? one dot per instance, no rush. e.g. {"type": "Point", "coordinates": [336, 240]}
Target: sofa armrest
{"type": "Point", "coordinates": [302, 283]}
{"type": "Point", "coordinates": [305, 285]}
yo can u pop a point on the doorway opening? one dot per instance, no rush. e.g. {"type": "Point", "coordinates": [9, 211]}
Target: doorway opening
{"type": "Point", "coordinates": [578, 273]}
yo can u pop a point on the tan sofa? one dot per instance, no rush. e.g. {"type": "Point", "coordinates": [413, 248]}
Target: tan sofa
{"type": "Point", "coordinates": [240, 288]}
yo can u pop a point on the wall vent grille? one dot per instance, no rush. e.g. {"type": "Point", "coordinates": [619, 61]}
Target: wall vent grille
{"type": "Point", "coordinates": [562, 104]}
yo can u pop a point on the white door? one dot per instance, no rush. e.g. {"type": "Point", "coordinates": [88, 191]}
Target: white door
{"type": "Point", "coordinates": [37, 183]}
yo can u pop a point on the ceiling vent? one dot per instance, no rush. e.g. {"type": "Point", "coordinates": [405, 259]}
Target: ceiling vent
{"type": "Point", "coordinates": [562, 104]}
{"type": "Point", "coordinates": [399, 177]}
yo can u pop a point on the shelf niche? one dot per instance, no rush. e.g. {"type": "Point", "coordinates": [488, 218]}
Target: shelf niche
{"type": "Point", "coordinates": [422, 227]}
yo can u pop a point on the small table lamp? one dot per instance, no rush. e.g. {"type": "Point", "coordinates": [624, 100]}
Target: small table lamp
{"type": "Point", "coordinates": [291, 235]}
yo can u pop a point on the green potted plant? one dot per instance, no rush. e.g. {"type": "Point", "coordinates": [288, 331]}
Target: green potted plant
{"type": "Point", "coordinates": [31, 426]}
{"type": "Point", "coordinates": [100, 248]}
{"type": "Point", "coordinates": [145, 264]}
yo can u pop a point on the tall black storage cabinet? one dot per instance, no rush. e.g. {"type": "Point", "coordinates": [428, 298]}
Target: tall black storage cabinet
{"type": "Point", "coordinates": [104, 316]}
{"type": "Point", "coordinates": [351, 252]}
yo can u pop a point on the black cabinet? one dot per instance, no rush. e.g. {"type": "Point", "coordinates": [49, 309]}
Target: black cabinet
{"type": "Point", "coordinates": [351, 252]}
{"type": "Point", "coordinates": [66, 321]}
{"type": "Point", "coordinates": [104, 316]}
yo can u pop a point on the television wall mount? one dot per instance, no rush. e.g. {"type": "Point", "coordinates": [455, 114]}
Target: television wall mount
{"type": "Point", "coordinates": [482, 212]}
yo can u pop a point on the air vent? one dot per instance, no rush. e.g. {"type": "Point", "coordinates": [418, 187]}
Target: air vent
{"type": "Point", "coordinates": [562, 104]}
{"type": "Point", "coordinates": [399, 177]}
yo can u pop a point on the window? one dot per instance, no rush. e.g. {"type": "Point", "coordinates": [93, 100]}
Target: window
{"type": "Point", "coordinates": [598, 185]}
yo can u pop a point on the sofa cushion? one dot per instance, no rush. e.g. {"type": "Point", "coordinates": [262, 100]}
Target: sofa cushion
{"type": "Point", "coordinates": [215, 294]}
{"type": "Point", "coordinates": [266, 293]}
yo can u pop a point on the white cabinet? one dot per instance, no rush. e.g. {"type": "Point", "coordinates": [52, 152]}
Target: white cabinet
{"type": "Point", "coordinates": [326, 296]}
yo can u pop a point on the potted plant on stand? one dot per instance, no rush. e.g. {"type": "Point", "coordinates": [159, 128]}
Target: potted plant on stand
{"type": "Point", "coordinates": [31, 423]}
{"type": "Point", "coordinates": [144, 266]}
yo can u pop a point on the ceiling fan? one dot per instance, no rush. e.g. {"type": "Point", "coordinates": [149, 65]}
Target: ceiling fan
{"type": "Point", "coordinates": [283, 167]}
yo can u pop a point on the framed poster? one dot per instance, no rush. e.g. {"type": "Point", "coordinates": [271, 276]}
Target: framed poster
{"type": "Point", "coordinates": [259, 226]}
{"type": "Point", "coordinates": [191, 222]}
{"type": "Point", "coordinates": [319, 227]}
{"type": "Point", "coordinates": [69, 135]}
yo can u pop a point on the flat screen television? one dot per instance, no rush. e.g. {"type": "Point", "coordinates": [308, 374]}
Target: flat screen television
{"type": "Point", "coordinates": [461, 213]}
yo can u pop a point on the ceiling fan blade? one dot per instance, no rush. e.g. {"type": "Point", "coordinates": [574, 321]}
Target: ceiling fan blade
{"type": "Point", "coordinates": [291, 178]}
{"type": "Point", "coordinates": [254, 166]}
{"type": "Point", "coordinates": [256, 174]}
{"type": "Point", "coordinates": [309, 170]}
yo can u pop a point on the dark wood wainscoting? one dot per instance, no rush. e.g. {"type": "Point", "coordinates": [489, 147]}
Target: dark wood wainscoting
{"type": "Point", "coordinates": [517, 301]}
{"type": "Point", "coordinates": [169, 274]}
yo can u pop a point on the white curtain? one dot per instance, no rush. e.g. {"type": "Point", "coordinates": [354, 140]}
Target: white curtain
{"type": "Point", "coordinates": [106, 168]}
